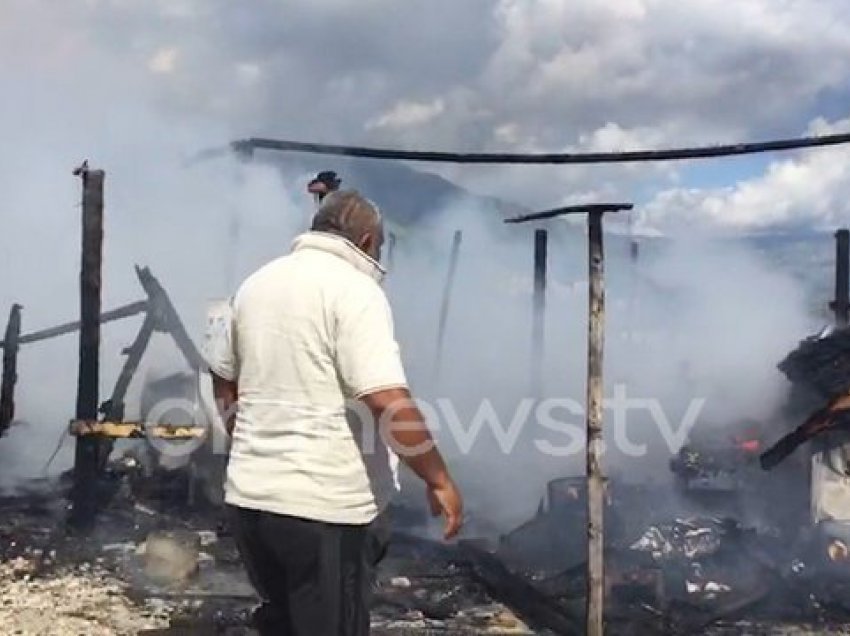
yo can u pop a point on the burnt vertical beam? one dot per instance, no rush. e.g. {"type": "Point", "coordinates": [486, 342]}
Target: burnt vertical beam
{"type": "Point", "coordinates": [11, 344]}
{"type": "Point", "coordinates": [446, 304]}
{"type": "Point", "coordinates": [841, 305]}
{"type": "Point", "coordinates": [594, 449]}
{"type": "Point", "coordinates": [538, 327]}
{"type": "Point", "coordinates": [88, 449]}
{"type": "Point", "coordinates": [594, 621]}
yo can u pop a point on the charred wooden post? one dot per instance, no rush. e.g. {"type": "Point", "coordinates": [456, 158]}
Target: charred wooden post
{"type": "Point", "coordinates": [595, 445]}
{"type": "Point", "coordinates": [88, 449]}
{"type": "Point", "coordinates": [11, 344]}
{"type": "Point", "coordinates": [447, 298]}
{"type": "Point", "coordinates": [594, 448]}
{"type": "Point", "coordinates": [538, 328]}
{"type": "Point", "coordinates": [841, 304]}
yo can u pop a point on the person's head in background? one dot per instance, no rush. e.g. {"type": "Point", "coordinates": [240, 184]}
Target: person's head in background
{"type": "Point", "coordinates": [324, 183]}
{"type": "Point", "coordinates": [348, 214]}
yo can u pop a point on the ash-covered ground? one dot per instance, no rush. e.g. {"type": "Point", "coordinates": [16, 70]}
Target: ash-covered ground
{"type": "Point", "coordinates": [154, 565]}
{"type": "Point", "coordinates": [150, 567]}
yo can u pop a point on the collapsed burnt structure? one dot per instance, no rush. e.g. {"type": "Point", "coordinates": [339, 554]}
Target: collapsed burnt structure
{"type": "Point", "coordinates": [661, 574]}
{"type": "Point", "coordinates": [97, 425]}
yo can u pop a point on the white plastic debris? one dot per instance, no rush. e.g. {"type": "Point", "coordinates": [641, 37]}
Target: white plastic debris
{"type": "Point", "coordinates": [207, 537]}
{"type": "Point", "coordinates": [123, 548]}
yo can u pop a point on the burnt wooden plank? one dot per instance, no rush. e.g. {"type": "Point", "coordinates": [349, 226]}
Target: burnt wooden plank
{"type": "Point", "coordinates": [246, 148]}
{"type": "Point", "coordinates": [114, 407]}
{"type": "Point", "coordinates": [10, 369]}
{"type": "Point", "coordinates": [519, 595]}
{"type": "Point", "coordinates": [167, 319]}
{"type": "Point", "coordinates": [126, 311]}
{"type": "Point", "coordinates": [134, 430]}
{"type": "Point", "coordinates": [590, 208]}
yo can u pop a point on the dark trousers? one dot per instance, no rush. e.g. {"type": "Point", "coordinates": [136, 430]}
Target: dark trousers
{"type": "Point", "coordinates": [314, 578]}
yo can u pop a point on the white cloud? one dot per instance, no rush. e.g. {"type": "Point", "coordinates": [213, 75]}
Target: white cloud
{"type": "Point", "coordinates": [811, 189]}
{"type": "Point", "coordinates": [164, 60]}
{"type": "Point", "coordinates": [478, 75]}
{"type": "Point", "coordinates": [407, 114]}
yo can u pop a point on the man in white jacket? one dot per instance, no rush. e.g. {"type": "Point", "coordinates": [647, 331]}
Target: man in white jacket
{"type": "Point", "coordinates": [315, 374]}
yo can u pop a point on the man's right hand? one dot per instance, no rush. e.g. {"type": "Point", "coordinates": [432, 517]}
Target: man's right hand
{"type": "Point", "coordinates": [404, 430]}
{"type": "Point", "coordinates": [445, 500]}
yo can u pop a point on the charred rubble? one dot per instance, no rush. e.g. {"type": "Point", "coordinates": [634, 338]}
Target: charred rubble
{"type": "Point", "coordinates": [726, 542]}
{"type": "Point", "coordinates": [699, 557]}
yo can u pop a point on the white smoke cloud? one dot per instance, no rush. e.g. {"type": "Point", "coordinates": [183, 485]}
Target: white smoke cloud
{"type": "Point", "coordinates": [138, 86]}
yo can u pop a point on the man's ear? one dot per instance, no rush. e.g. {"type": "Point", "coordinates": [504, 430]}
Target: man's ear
{"type": "Point", "coordinates": [367, 243]}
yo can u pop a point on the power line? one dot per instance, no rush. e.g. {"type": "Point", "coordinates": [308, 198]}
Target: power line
{"type": "Point", "coordinates": [248, 146]}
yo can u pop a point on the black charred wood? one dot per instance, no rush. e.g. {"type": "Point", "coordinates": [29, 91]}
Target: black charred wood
{"type": "Point", "coordinates": [10, 369]}
{"type": "Point", "coordinates": [821, 364]}
{"type": "Point", "coordinates": [821, 421]}
{"type": "Point", "coordinates": [531, 604]}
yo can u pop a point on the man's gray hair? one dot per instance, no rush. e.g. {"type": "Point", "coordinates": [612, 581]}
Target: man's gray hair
{"type": "Point", "coordinates": [348, 214]}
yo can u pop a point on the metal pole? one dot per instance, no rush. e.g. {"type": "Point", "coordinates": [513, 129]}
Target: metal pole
{"type": "Point", "coordinates": [841, 304]}
{"type": "Point", "coordinates": [86, 456]}
{"type": "Point", "coordinates": [595, 478]}
{"type": "Point", "coordinates": [538, 328]}
{"type": "Point", "coordinates": [447, 297]}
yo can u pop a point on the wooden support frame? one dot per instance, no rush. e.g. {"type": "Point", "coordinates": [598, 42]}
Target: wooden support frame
{"type": "Point", "coordinates": [595, 607]}
{"type": "Point", "coordinates": [161, 317]}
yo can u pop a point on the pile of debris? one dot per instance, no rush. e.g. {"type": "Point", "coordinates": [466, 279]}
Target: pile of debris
{"type": "Point", "coordinates": [72, 601]}
{"type": "Point", "coordinates": [821, 363]}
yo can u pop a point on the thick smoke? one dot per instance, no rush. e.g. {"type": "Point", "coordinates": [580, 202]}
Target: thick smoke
{"type": "Point", "coordinates": [690, 319]}
{"type": "Point", "coordinates": [694, 323]}
{"type": "Point", "coordinates": [695, 318]}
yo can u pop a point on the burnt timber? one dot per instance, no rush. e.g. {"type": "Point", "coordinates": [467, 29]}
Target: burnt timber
{"type": "Point", "coordinates": [10, 369]}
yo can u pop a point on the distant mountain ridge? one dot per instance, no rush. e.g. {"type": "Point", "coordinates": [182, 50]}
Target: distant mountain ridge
{"type": "Point", "coordinates": [407, 196]}
{"type": "Point", "coordinates": [410, 197]}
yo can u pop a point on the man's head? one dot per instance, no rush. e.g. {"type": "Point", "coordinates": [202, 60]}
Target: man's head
{"type": "Point", "coordinates": [348, 214]}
